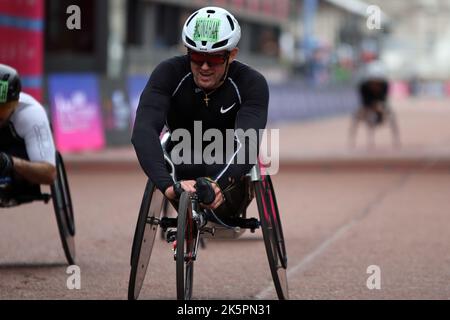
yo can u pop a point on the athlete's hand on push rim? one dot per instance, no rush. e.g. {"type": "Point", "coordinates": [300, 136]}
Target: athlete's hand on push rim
{"type": "Point", "coordinates": [189, 186]}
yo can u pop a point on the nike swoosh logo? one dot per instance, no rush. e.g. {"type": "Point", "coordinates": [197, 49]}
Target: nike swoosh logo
{"type": "Point", "coordinates": [222, 110]}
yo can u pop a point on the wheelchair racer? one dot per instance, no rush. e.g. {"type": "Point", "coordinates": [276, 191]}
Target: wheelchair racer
{"type": "Point", "coordinates": [375, 109]}
{"type": "Point", "coordinates": [209, 85]}
{"type": "Point", "coordinates": [374, 90]}
{"type": "Point", "coordinates": [27, 151]}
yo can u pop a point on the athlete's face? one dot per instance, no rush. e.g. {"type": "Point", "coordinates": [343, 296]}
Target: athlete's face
{"type": "Point", "coordinates": [6, 109]}
{"type": "Point", "coordinates": [208, 69]}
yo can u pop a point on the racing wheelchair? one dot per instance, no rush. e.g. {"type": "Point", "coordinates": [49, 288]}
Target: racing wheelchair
{"type": "Point", "coordinates": [11, 196]}
{"type": "Point", "coordinates": [374, 118]}
{"type": "Point", "coordinates": [193, 224]}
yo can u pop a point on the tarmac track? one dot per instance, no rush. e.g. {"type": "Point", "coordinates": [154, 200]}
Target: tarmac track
{"type": "Point", "coordinates": [337, 223]}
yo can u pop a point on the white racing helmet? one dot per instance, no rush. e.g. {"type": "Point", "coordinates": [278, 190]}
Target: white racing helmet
{"type": "Point", "coordinates": [211, 29]}
{"type": "Point", "coordinates": [375, 70]}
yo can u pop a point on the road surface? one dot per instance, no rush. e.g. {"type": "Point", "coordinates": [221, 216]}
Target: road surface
{"type": "Point", "coordinates": [337, 223]}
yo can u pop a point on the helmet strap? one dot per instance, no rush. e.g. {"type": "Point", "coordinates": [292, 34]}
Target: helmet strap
{"type": "Point", "coordinates": [226, 69]}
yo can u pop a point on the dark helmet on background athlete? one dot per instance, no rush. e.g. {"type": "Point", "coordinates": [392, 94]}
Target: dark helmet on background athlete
{"type": "Point", "coordinates": [10, 85]}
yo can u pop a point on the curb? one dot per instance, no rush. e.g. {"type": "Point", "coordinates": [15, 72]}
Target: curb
{"type": "Point", "coordinates": [318, 164]}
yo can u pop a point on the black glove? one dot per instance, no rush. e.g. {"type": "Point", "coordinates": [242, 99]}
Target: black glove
{"type": "Point", "coordinates": [6, 164]}
{"type": "Point", "coordinates": [178, 189]}
{"type": "Point", "coordinates": [205, 191]}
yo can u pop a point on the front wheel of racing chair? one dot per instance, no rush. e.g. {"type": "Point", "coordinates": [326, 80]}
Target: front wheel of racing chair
{"type": "Point", "coordinates": [144, 237]}
{"type": "Point", "coordinates": [187, 234]}
{"type": "Point", "coordinates": [62, 203]}
{"type": "Point", "coordinates": [154, 207]}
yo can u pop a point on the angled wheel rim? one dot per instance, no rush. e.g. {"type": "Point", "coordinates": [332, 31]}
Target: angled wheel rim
{"type": "Point", "coordinates": [144, 238]}
{"type": "Point", "coordinates": [67, 239]}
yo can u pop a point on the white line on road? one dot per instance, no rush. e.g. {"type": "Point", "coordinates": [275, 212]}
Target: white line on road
{"type": "Point", "coordinates": [310, 257]}
{"type": "Point", "coordinates": [302, 264]}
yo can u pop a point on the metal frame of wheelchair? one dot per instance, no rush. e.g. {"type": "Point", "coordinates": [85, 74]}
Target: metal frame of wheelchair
{"type": "Point", "coordinates": [190, 231]}
{"type": "Point", "coordinates": [367, 116]}
{"type": "Point", "coordinates": [62, 205]}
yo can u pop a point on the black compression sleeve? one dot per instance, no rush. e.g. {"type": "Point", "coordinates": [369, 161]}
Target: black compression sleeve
{"type": "Point", "coordinates": [150, 119]}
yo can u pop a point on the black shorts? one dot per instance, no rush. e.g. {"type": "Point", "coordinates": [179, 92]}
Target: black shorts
{"type": "Point", "coordinates": [382, 104]}
{"type": "Point", "coordinates": [238, 197]}
{"type": "Point", "coordinates": [19, 190]}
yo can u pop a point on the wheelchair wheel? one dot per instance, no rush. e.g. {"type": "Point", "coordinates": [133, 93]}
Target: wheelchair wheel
{"type": "Point", "coordinates": [165, 213]}
{"type": "Point", "coordinates": [273, 235]}
{"type": "Point", "coordinates": [144, 238]}
{"type": "Point", "coordinates": [62, 204]}
{"type": "Point", "coordinates": [186, 238]}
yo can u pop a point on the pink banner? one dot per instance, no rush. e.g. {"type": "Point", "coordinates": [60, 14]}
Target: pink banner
{"type": "Point", "coordinates": [76, 112]}
{"type": "Point", "coordinates": [447, 88]}
{"type": "Point", "coordinates": [21, 27]}
{"type": "Point", "coordinates": [399, 90]}
{"type": "Point", "coordinates": [23, 8]}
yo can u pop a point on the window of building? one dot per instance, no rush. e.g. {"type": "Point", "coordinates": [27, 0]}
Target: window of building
{"type": "Point", "coordinates": [167, 29]}
{"type": "Point", "coordinates": [264, 40]}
